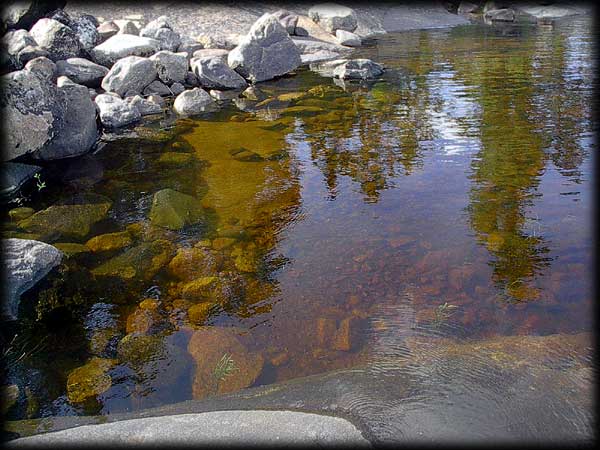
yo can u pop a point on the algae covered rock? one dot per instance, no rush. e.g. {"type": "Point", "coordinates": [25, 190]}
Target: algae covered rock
{"type": "Point", "coordinates": [71, 248]}
{"type": "Point", "coordinates": [199, 312]}
{"type": "Point", "coordinates": [140, 262]}
{"type": "Point", "coordinates": [212, 348]}
{"type": "Point", "coordinates": [109, 241]}
{"type": "Point", "coordinates": [191, 263]}
{"type": "Point", "coordinates": [174, 210]}
{"type": "Point", "coordinates": [72, 218]}
{"type": "Point", "coordinates": [89, 380]}
{"type": "Point", "coordinates": [137, 349]}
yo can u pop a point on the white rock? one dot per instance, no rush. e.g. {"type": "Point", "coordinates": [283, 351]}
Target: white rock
{"type": "Point", "coordinates": [214, 73]}
{"type": "Point", "coordinates": [347, 38]}
{"type": "Point", "coordinates": [122, 45]}
{"type": "Point", "coordinates": [129, 75]}
{"type": "Point", "coordinates": [115, 112]}
{"type": "Point", "coordinates": [58, 40]}
{"type": "Point", "coordinates": [193, 101]}
{"type": "Point", "coordinates": [145, 106]}
{"type": "Point", "coordinates": [332, 17]}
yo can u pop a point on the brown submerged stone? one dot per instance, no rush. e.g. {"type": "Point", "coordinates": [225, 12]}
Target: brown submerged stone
{"type": "Point", "coordinates": [109, 241]}
{"type": "Point", "coordinates": [89, 380]}
{"type": "Point", "coordinates": [207, 346]}
{"type": "Point", "coordinates": [192, 263]}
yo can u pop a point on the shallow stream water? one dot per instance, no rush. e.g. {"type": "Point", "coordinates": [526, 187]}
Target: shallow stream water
{"type": "Point", "coordinates": [450, 199]}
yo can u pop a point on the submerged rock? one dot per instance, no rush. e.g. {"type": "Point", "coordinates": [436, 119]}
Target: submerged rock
{"type": "Point", "coordinates": [66, 220]}
{"type": "Point", "coordinates": [109, 241]}
{"type": "Point", "coordinates": [194, 101]}
{"type": "Point", "coordinates": [191, 263]}
{"type": "Point", "coordinates": [332, 17]}
{"type": "Point", "coordinates": [210, 346]}
{"type": "Point", "coordinates": [89, 380]}
{"type": "Point", "coordinates": [13, 176]}
{"type": "Point", "coordinates": [174, 210]}
{"type": "Point", "coordinates": [140, 262]}
{"type": "Point", "coordinates": [136, 349]}
{"type": "Point", "coordinates": [60, 41]}
{"type": "Point", "coordinates": [266, 52]}
{"type": "Point", "coordinates": [25, 262]}
{"type": "Point", "coordinates": [200, 312]}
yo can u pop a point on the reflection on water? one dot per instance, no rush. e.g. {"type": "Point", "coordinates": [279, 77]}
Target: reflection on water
{"type": "Point", "coordinates": [339, 224]}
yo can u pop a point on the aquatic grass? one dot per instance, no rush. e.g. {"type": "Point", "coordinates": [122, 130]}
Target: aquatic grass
{"type": "Point", "coordinates": [442, 313]}
{"type": "Point", "coordinates": [224, 368]}
{"type": "Point", "coordinates": [19, 349]}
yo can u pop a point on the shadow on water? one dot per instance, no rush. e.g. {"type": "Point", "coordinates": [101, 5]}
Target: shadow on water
{"type": "Point", "coordinates": [424, 225]}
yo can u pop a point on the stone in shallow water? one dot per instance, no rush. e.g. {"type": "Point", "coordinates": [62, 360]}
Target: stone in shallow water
{"type": "Point", "coordinates": [192, 263]}
{"type": "Point", "coordinates": [214, 73]}
{"type": "Point", "coordinates": [141, 262]}
{"type": "Point", "coordinates": [70, 220]}
{"type": "Point", "coordinates": [175, 158]}
{"type": "Point", "coordinates": [13, 176]}
{"type": "Point", "coordinates": [24, 263]}
{"type": "Point", "coordinates": [208, 346]}
{"type": "Point", "coordinates": [194, 101]}
{"type": "Point", "coordinates": [71, 248]}
{"type": "Point", "coordinates": [20, 213]}
{"type": "Point", "coordinates": [199, 312]}
{"type": "Point", "coordinates": [109, 241]}
{"type": "Point", "coordinates": [89, 380]}
{"type": "Point", "coordinates": [174, 210]}
{"type": "Point", "coordinates": [358, 68]}
{"type": "Point", "coordinates": [136, 349]}
{"type": "Point", "coordinates": [115, 112]}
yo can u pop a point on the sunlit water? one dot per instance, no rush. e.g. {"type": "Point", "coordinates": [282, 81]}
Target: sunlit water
{"type": "Point", "coordinates": [450, 199]}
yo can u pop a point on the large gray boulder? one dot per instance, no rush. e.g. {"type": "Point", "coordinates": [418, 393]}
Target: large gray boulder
{"type": "Point", "coordinates": [115, 112]}
{"type": "Point", "coordinates": [193, 101]}
{"type": "Point", "coordinates": [129, 75]}
{"type": "Point", "coordinates": [79, 130]}
{"type": "Point", "coordinates": [23, 14]}
{"type": "Point", "coordinates": [122, 45]}
{"type": "Point", "coordinates": [332, 17]}
{"type": "Point", "coordinates": [25, 262]}
{"type": "Point", "coordinates": [287, 19]}
{"type": "Point", "coordinates": [145, 106]}
{"type": "Point", "coordinates": [60, 41]}
{"type": "Point", "coordinates": [33, 111]}
{"type": "Point", "coordinates": [265, 52]}
{"type": "Point", "coordinates": [214, 73]}
{"type": "Point", "coordinates": [43, 67]}
{"type": "Point", "coordinates": [171, 67]}
{"type": "Point", "coordinates": [347, 38]}
{"type": "Point", "coordinates": [82, 71]}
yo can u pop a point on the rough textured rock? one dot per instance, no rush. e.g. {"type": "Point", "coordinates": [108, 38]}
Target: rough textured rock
{"type": "Point", "coordinates": [174, 210]}
{"type": "Point", "coordinates": [82, 71]}
{"type": "Point", "coordinates": [129, 75]}
{"type": "Point", "coordinates": [79, 131]}
{"type": "Point", "coordinates": [193, 101]}
{"type": "Point", "coordinates": [157, 87]}
{"type": "Point", "coordinates": [43, 67]}
{"type": "Point", "coordinates": [141, 262]}
{"type": "Point", "coordinates": [265, 52]}
{"type": "Point", "coordinates": [86, 32]}
{"type": "Point", "coordinates": [307, 28]}
{"type": "Point", "coordinates": [332, 17]}
{"type": "Point", "coordinates": [17, 40]}
{"type": "Point", "coordinates": [23, 14]}
{"type": "Point", "coordinates": [69, 220]}
{"type": "Point", "coordinates": [161, 30]}
{"type": "Point", "coordinates": [500, 15]}
{"type": "Point", "coordinates": [171, 67]}
{"type": "Point", "coordinates": [214, 73]}
{"type": "Point", "coordinates": [145, 106]}
{"type": "Point", "coordinates": [127, 27]}
{"type": "Point", "coordinates": [108, 29]}
{"type": "Point", "coordinates": [207, 346]}
{"type": "Point", "coordinates": [109, 241]}
{"type": "Point", "coordinates": [347, 38]}
{"type": "Point", "coordinates": [177, 88]}
{"type": "Point", "coordinates": [33, 110]}
{"type": "Point", "coordinates": [115, 112]}
{"type": "Point", "coordinates": [467, 7]}
{"type": "Point", "coordinates": [287, 19]}
{"type": "Point", "coordinates": [358, 68]}
{"type": "Point", "coordinates": [13, 176]}
{"type": "Point", "coordinates": [60, 41]}
{"type": "Point", "coordinates": [189, 46]}
{"type": "Point", "coordinates": [192, 263]}
{"type": "Point", "coordinates": [122, 45]}
{"type": "Point", "coordinates": [25, 262]}
{"type": "Point", "coordinates": [31, 52]}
